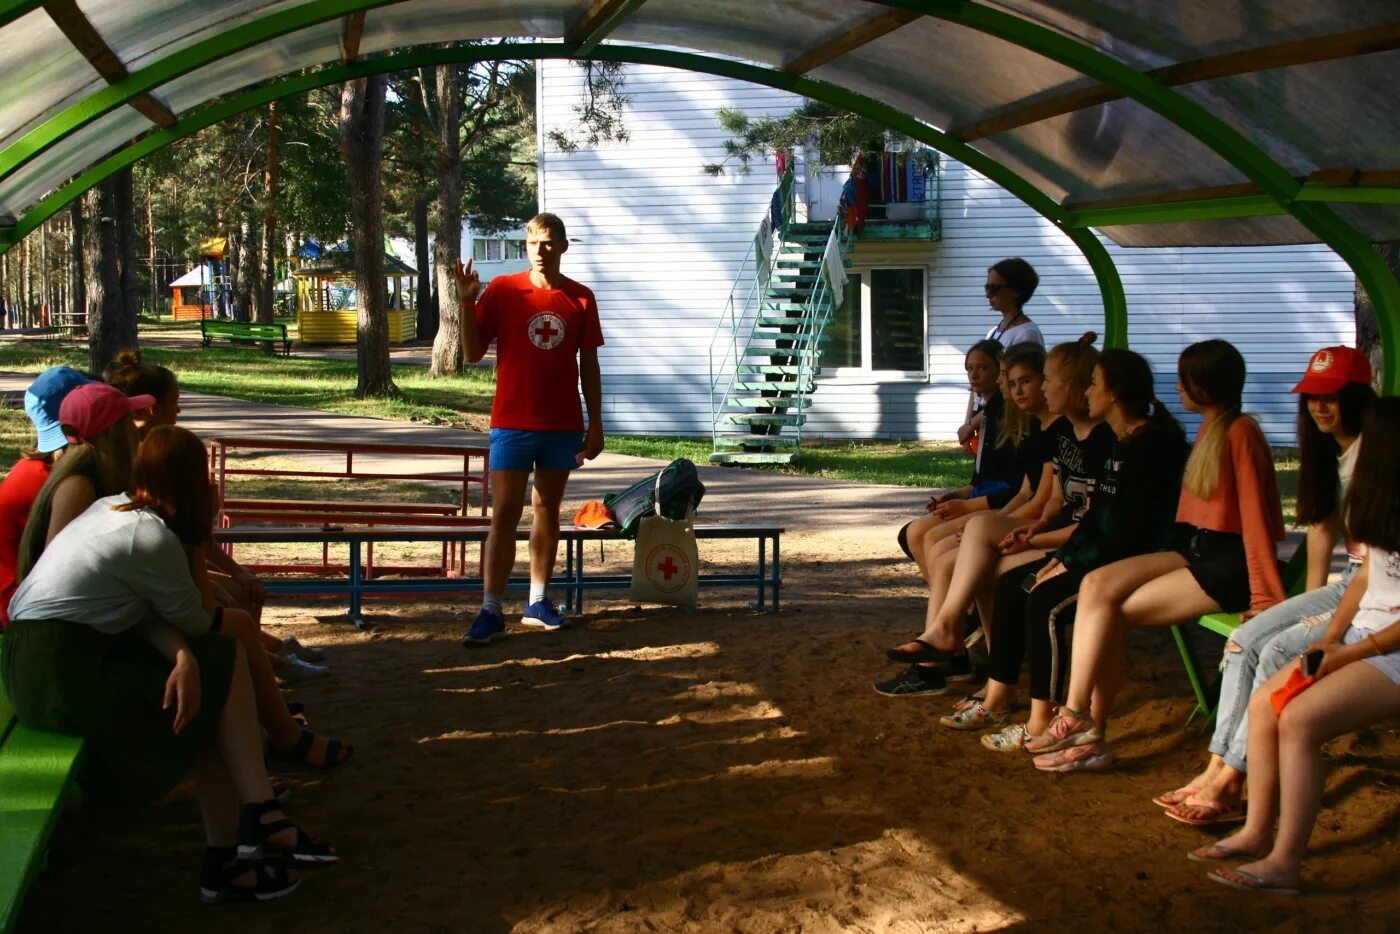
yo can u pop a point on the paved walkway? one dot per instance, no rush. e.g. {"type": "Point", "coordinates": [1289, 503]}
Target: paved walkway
{"type": "Point", "coordinates": [801, 504]}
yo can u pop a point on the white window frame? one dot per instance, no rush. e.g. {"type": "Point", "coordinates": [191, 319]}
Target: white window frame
{"type": "Point", "coordinates": [865, 373]}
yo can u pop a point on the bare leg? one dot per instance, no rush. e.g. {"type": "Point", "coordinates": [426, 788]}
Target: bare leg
{"type": "Point", "coordinates": [925, 531]}
{"type": "Point", "coordinates": [507, 503]}
{"type": "Point", "coordinates": [240, 749]}
{"type": "Point", "coordinates": [1101, 599]}
{"type": "Point", "coordinates": [977, 558]}
{"type": "Point", "coordinates": [283, 732]}
{"type": "Point", "coordinates": [999, 696]}
{"type": "Point", "coordinates": [545, 500]}
{"type": "Point", "coordinates": [240, 744]}
{"type": "Point", "coordinates": [1042, 712]}
{"type": "Point", "coordinates": [1353, 697]}
{"type": "Point", "coordinates": [218, 799]}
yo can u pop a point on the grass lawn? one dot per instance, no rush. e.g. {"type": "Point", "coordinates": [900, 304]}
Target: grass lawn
{"type": "Point", "coordinates": [465, 401]}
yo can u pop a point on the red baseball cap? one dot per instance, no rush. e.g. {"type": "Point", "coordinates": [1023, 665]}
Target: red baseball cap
{"type": "Point", "coordinates": [92, 408]}
{"type": "Point", "coordinates": [1331, 368]}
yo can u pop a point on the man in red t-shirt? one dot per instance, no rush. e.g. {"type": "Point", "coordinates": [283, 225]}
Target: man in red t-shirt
{"type": "Point", "coordinates": [547, 336]}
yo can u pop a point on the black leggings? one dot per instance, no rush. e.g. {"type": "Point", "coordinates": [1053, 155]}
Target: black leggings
{"type": "Point", "coordinates": [1038, 621]}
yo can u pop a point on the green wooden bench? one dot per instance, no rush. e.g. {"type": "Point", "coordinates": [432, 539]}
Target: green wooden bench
{"type": "Point", "coordinates": [1295, 578]}
{"type": "Point", "coordinates": [36, 769]}
{"type": "Point", "coordinates": [244, 332]}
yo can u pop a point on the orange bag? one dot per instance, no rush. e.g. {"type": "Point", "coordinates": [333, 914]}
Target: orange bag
{"type": "Point", "coordinates": [1296, 684]}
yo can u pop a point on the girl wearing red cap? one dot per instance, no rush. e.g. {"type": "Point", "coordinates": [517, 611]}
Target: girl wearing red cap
{"type": "Point", "coordinates": [1333, 398]}
{"type": "Point", "coordinates": [1354, 682]}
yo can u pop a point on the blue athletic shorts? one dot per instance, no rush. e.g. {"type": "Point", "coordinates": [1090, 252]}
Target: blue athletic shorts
{"type": "Point", "coordinates": [513, 449]}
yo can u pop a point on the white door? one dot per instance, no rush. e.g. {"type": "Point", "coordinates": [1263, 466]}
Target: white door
{"type": "Point", "coordinates": [824, 190]}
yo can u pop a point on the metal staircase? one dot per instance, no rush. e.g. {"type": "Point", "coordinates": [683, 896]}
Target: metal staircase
{"type": "Point", "coordinates": [764, 353]}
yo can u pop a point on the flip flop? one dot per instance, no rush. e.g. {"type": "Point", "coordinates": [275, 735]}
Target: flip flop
{"type": "Point", "coordinates": [1215, 813]}
{"type": "Point", "coordinates": [924, 653]}
{"type": "Point", "coordinates": [1248, 881]}
{"type": "Point", "coordinates": [1170, 799]}
{"type": "Point", "coordinates": [1216, 853]}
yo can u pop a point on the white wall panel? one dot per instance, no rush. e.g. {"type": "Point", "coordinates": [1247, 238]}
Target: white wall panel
{"type": "Point", "coordinates": [661, 244]}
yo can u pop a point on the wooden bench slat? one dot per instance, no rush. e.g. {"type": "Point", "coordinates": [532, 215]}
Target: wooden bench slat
{"type": "Point", "coordinates": [766, 577]}
{"type": "Point", "coordinates": [389, 533]}
{"type": "Point", "coordinates": [251, 331]}
{"type": "Point", "coordinates": [341, 506]}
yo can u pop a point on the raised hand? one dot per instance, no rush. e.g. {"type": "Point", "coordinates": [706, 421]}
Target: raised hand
{"type": "Point", "coordinates": [468, 283]}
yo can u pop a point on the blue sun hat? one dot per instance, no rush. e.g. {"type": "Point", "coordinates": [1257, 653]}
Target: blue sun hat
{"type": "Point", "coordinates": [41, 402]}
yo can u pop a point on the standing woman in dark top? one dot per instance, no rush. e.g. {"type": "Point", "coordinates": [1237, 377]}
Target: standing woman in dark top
{"type": "Point", "coordinates": [1132, 511]}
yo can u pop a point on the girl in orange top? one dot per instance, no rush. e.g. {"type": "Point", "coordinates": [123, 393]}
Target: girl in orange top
{"type": "Point", "coordinates": [1231, 518]}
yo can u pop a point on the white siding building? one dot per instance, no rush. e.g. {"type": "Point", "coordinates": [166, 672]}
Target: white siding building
{"type": "Point", "coordinates": [660, 243]}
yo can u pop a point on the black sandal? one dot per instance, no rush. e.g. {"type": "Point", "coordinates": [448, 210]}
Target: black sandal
{"type": "Point", "coordinates": [300, 754]}
{"type": "Point", "coordinates": [222, 868]}
{"type": "Point", "coordinates": [253, 845]}
{"type": "Point", "coordinates": [924, 653]}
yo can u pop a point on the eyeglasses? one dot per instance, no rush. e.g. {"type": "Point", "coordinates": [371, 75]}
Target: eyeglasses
{"type": "Point", "coordinates": [992, 288]}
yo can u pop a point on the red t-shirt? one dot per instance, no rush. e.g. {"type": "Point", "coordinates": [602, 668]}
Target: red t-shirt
{"type": "Point", "coordinates": [538, 335]}
{"type": "Point", "coordinates": [18, 491]}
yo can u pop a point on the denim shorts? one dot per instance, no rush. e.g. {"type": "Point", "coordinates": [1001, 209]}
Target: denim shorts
{"type": "Point", "coordinates": [514, 449]}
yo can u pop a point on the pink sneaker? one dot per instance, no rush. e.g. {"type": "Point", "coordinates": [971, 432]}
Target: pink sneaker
{"type": "Point", "coordinates": [1067, 729]}
{"type": "Point", "coordinates": [1092, 757]}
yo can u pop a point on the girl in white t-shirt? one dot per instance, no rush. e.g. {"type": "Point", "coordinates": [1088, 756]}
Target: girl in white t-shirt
{"type": "Point", "coordinates": [1356, 681]}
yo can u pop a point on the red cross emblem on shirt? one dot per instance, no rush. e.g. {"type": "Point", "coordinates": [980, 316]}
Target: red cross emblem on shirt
{"type": "Point", "coordinates": [546, 330]}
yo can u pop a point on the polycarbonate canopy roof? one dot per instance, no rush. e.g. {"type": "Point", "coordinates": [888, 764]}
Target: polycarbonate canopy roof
{"type": "Point", "coordinates": [1157, 122]}
{"type": "Point", "coordinates": [1267, 102]}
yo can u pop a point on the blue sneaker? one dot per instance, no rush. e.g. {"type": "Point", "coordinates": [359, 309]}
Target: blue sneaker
{"type": "Point", "coordinates": [543, 614]}
{"type": "Point", "coordinates": [487, 629]}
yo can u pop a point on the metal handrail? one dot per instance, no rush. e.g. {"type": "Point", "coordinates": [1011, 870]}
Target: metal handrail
{"type": "Point", "coordinates": [822, 304]}
{"type": "Point", "coordinates": [740, 312]}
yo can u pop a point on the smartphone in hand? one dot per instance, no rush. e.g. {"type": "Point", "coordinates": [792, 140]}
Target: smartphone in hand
{"type": "Point", "coordinates": [1312, 661]}
{"type": "Point", "coordinates": [1029, 583]}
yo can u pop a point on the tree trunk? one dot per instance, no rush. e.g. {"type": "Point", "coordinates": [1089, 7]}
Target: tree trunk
{"type": "Point", "coordinates": [107, 325]}
{"type": "Point", "coordinates": [77, 274]}
{"type": "Point", "coordinates": [127, 239]}
{"type": "Point", "coordinates": [447, 249]}
{"type": "Point", "coordinates": [45, 304]}
{"type": "Point", "coordinates": [151, 252]}
{"type": "Point", "coordinates": [362, 145]}
{"type": "Point", "coordinates": [264, 296]}
{"type": "Point", "coordinates": [244, 253]}
{"type": "Point", "coordinates": [427, 309]}
{"type": "Point", "coordinates": [1368, 328]}
{"type": "Point", "coordinates": [25, 281]}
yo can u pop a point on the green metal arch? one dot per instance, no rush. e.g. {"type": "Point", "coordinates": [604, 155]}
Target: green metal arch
{"type": "Point", "coordinates": [1225, 141]}
{"type": "Point", "coordinates": [1100, 261]}
{"type": "Point", "coordinates": [1228, 143]}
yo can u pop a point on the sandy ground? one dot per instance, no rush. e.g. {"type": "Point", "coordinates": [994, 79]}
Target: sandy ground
{"type": "Point", "coordinates": [653, 770]}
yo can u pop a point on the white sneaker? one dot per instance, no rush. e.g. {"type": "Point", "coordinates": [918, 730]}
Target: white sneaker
{"type": "Point", "coordinates": [307, 653]}
{"type": "Point", "coordinates": [295, 671]}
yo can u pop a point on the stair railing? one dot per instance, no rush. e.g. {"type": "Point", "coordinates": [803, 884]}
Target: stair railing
{"type": "Point", "coordinates": [734, 331]}
{"type": "Point", "coordinates": [822, 306]}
